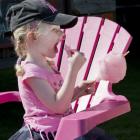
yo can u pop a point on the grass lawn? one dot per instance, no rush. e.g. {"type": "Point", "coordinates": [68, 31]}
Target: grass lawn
{"type": "Point", "coordinates": [125, 127]}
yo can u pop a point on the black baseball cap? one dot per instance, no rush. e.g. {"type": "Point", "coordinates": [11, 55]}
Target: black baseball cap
{"type": "Point", "coordinates": [30, 10]}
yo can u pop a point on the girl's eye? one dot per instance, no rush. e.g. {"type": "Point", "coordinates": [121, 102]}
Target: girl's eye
{"type": "Point", "coordinates": [55, 30]}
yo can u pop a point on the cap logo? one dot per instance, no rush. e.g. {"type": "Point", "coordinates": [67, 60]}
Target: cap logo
{"type": "Point", "coordinates": [48, 5]}
{"type": "Point", "coordinates": [51, 7]}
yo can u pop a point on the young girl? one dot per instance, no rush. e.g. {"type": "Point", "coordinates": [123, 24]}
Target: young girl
{"type": "Point", "coordinates": [46, 98]}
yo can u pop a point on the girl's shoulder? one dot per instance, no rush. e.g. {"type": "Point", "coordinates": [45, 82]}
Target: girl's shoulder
{"type": "Point", "coordinates": [36, 70]}
{"type": "Point", "coordinates": [33, 70]}
{"type": "Point", "coordinates": [32, 67]}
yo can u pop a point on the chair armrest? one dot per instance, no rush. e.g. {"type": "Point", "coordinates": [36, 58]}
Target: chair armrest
{"type": "Point", "coordinates": [9, 96]}
{"type": "Point", "coordinates": [80, 123]}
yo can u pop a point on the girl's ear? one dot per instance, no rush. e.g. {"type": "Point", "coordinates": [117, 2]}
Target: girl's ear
{"type": "Point", "coordinates": [31, 35]}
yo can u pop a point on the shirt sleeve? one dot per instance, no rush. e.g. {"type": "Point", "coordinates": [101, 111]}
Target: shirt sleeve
{"type": "Point", "coordinates": [32, 70]}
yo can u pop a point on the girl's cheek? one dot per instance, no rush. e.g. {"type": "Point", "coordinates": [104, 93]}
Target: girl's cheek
{"type": "Point", "coordinates": [52, 36]}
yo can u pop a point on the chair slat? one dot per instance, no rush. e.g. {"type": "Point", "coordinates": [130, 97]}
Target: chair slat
{"type": "Point", "coordinates": [88, 46]}
{"type": "Point", "coordinates": [122, 41]}
{"type": "Point", "coordinates": [120, 45]}
{"type": "Point", "coordinates": [105, 38]}
{"type": "Point", "coordinates": [105, 42]}
{"type": "Point", "coordinates": [73, 39]}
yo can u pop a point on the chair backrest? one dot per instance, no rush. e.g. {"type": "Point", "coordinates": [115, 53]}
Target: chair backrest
{"type": "Point", "coordinates": [95, 36]}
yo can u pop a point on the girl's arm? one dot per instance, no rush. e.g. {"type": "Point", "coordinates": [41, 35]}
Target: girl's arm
{"type": "Point", "coordinates": [85, 88]}
{"type": "Point", "coordinates": [58, 102]}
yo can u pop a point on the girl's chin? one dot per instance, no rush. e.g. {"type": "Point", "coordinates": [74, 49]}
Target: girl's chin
{"type": "Point", "coordinates": [53, 55]}
{"type": "Point", "coordinates": [55, 48]}
{"type": "Point", "coordinates": [50, 56]}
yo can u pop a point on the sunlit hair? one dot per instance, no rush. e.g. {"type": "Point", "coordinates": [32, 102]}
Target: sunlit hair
{"type": "Point", "coordinates": [19, 39]}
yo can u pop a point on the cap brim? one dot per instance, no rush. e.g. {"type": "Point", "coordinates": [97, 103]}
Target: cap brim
{"type": "Point", "coordinates": [64, 20]}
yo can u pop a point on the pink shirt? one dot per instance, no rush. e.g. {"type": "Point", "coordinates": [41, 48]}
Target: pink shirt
{"type": "Point", "coordinates": [36, 114]}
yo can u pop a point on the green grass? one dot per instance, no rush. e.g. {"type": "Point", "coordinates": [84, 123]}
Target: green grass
{"type": "Point", "coordinates": [125, 127]}
{"type": "Point", "coordinates": [10, 113]}
{"type": "Point", "coordinates": [8, 79]}
{"type": "Point", "coordinates": [10, 119]}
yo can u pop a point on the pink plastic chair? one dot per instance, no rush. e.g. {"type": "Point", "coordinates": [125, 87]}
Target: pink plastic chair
{"type": "Point", "coordinates": [95, 37]}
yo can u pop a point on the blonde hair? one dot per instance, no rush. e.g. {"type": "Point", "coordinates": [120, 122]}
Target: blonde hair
{"type": "Point", "coordinates": [20, 44]}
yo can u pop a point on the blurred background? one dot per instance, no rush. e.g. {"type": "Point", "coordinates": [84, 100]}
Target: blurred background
{"type": "Point", "coordinates": [124, 12]}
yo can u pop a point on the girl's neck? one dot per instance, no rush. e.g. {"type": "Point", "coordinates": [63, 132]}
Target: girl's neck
{"type": "Point", "coordinates": [40, 61]}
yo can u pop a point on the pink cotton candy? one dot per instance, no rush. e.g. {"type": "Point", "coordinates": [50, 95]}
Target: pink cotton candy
{"type": "Point", "coordinates": [112, 68]}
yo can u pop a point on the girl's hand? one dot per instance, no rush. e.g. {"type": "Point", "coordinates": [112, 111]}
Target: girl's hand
{"type": "Point", "coordinates": [75, 58]}
{"type": "Point", "coordinates": [86, 87]}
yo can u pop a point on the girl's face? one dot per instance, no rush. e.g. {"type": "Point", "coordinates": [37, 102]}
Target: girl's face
{"type": "Point", "coordinates": [48, 38]}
